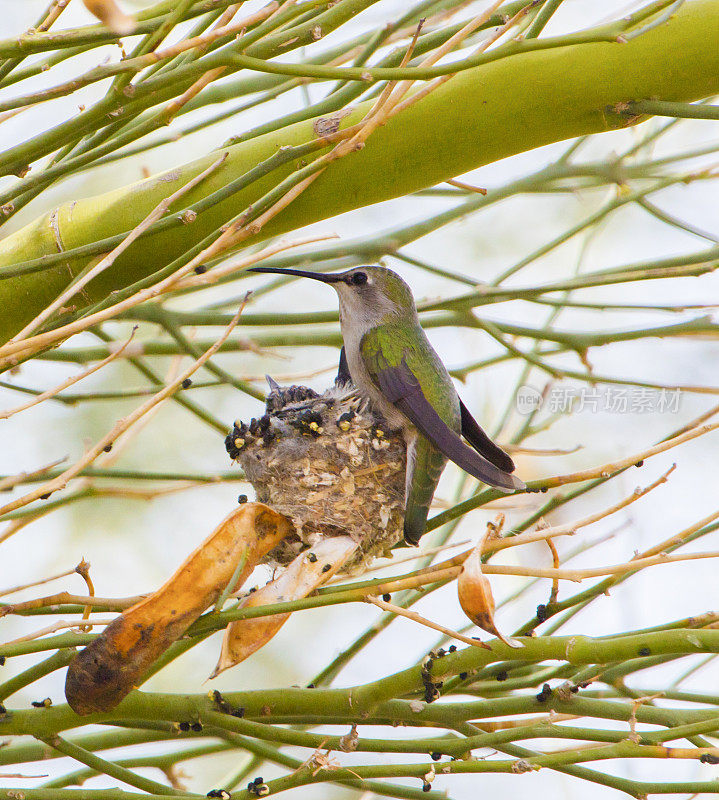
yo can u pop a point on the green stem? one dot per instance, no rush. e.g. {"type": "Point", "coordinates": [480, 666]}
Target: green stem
{"type": "Point", "coordinates": [111, 769]}
{"type": "Point", "coordinates": [587, 79]}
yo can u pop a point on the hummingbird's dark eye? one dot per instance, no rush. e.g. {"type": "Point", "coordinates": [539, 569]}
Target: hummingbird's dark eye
{"type": "Point", "coordinates": [357, 279]}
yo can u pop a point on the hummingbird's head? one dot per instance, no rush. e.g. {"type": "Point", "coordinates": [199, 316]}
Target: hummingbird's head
{"type": "Point", "coordinates": [369, 295]}
{"type": "Point", "coordinates": [372, 295]}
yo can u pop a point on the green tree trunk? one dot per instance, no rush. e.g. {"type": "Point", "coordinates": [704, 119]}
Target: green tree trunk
{"type": "Point", "coordinates": [481, 115]}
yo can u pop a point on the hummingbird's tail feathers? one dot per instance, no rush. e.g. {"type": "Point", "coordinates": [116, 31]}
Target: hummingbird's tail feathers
{"type": "Point", "coordinates": [518, 485]}
{"type": "Point", "coordinates": [479, 440]}
{"type": "Point", "coordinates": [401, 387]}
{"type": "Point", "coordinates": [424, 466]}
{"type": "Point", "coordinates": [415, 521]}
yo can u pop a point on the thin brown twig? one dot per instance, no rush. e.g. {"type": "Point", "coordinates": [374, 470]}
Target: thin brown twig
{"type": "Point", "coordinates": [682, 536]}
{"type": "Point", "coordinates": [50, 578]}
{"type": "Point", "coordinates": [66, 383]}
{"type": "Point", "coordinates": [173, 107]}
{"type": "Point", "coordinates": [156, 214]}
{"type": "Point", "coordinates": [83, 570]}
{"type": "Point", "coordinates": [124, 424]}
{"type": "Point", "coordinates": [13, 112]}
{"type": "Point", "coordinates": [57, 7]}
{"type": "Point", "coordinates": [57, 626]}
{"type": "Point", "coordinates": [555, 563]}
{"type": "Point", "coordinates": [389, 88]}
{"type": "Point", "coordinates": [466, 186]}
{"type": "Point", "coordinates": [14, 480]}
{"type": "Point", "coordinates": [147, 494]}
{"type": "Point", "coordinates": [415, 617]}
{"type": "Point", "coordinates": [541, 451]}
{"type": "Point", "coordinates": [605, 470]}
{"type": "Point", "coordinates": [578, 575]}
{"type": "Point", "coordinates": [67, 598]}
{"type": "Point", "coordinates": [570, 528]}
{"type": "Point", "coordinates": [280, 8]}
{"type": "Point", "coordinates": [118, 449]}
{"type": "Point", "coordinates": [19, 524]}
{"type": "Point", "coordinates": [22, 775]}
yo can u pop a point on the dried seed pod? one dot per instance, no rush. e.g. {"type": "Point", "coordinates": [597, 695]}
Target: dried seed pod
{"type": "Point", "coordinates": [107, 669]}
{"type": "Point", "coordinates": [302, 576]}
{"type": "Point", "coordinates": [110, 14]}
{"type": "Point", "coordinates": [475, 595]}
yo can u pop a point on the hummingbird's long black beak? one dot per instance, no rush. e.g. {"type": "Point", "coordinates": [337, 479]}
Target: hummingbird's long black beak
{"type": "Point", "coordinates": [301, 273]}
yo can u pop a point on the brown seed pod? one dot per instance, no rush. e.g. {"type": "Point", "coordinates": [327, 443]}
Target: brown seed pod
{"type": "Point", "coordinates": [308, 571]}
{"type": "Point", "coordinates": [475, 595]}
{"type": "Point", "coordinates": [110, 14]}
{"type": "Point", "coordinates": [113, 664]}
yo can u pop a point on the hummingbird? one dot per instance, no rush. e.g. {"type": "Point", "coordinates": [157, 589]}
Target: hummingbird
{"type": "Point", "coordinates": [390, 360]}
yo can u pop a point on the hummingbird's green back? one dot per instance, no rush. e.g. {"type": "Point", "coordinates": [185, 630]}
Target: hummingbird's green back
{"type": "Point", "coordinates": [389, 344]}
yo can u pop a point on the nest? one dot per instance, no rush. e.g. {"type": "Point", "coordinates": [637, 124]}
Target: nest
{"type": "Point", "coordinates": [330, 464]}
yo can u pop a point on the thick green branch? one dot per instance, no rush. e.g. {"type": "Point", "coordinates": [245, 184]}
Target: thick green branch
{"type": "Point", "coordinates": [481, 115]}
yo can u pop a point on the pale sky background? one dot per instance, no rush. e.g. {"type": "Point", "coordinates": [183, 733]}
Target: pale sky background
{"type": "Point", "coordinates": [133, 545]}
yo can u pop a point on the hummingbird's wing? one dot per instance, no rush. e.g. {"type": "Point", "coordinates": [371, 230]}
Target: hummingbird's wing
{"type": "Point", "coordinates": [474, 434]}
{"type": "Point", "coordinates": [400, 386]}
